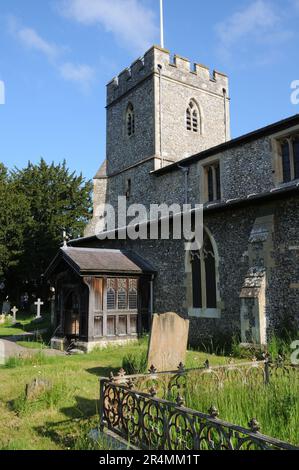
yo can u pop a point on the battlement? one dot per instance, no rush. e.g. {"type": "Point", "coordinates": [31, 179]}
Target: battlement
{"type": "Point", "coordinates": [178, 68]}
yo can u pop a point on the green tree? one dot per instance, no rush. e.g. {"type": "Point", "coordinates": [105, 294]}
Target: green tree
{"type": "Point", "coordinates": [14, 222]}
{"type": "Point", "coordinates": [58, 200]}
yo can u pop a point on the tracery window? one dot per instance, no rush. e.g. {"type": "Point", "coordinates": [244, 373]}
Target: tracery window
{"type": "Point", "coordinates": [122, 294]}
{"type": "Point", "coordinates": [193, 123]}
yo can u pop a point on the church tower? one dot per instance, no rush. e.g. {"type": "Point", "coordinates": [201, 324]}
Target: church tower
{"type": "Point", "coordinates": [164, 110]}
{"type": "Point", "coordinates": [159, 111]}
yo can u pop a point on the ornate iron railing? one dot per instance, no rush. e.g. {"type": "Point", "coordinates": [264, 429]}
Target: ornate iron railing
{"type": "Point", "coordinates": [148, 410]}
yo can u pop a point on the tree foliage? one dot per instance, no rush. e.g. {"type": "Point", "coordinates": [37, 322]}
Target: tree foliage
{"type": "Point", "coordinates": [38, 203]}
{"type": "Point", "coordinates": [14, 217]}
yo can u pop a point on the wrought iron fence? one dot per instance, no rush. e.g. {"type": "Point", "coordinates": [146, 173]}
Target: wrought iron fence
{"type": "Point", "coordinates": [148, 409]}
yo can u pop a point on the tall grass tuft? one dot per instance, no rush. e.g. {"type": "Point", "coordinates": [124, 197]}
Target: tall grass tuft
{"type": "Point", "coordinates": [49, 399]}
{"type": "Point", "coordinates": [135, 363]}
{"type": "Point", "coordinates": [35, 360]}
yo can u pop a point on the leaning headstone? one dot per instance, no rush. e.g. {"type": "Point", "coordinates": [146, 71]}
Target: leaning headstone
{"type": "Point", "coordinates": [168, 342]}
{"type": "Point", "coordinates": [36, 388]}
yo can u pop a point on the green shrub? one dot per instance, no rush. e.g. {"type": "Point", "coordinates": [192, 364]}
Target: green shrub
{"type": "Point", "coordinates": [135, 363]}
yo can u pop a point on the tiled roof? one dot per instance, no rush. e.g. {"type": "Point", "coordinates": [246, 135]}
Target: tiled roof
{"type": "Point", "coordinates": [88, 261]}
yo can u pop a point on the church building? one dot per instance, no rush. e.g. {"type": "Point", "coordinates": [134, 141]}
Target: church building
{"type": "Point", "coordinates": [168, 142]}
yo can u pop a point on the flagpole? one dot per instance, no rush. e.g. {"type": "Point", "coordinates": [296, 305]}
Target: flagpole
{"type": "Point", "coordinates": [161, 24]}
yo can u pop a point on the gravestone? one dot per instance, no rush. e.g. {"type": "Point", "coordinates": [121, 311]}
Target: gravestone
{"type": "Point", "coordinates": [2, 319]}
{"type": "Point", "coordinates": [6, 307]}
{"type": "Point", "coordinates": [38, 304]}
{"type": "Point", "coordinates": [36, 388]}
{"type": "Point", "coordinates": [14, 314]}
{"type": "Point", "coordinates": [168, 341]}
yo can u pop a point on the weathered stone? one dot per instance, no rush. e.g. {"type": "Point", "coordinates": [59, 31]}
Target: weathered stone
{"type": "Point", "coordinates": [36, 388]}
{"type": "Point", "coordinates": [168, 341]}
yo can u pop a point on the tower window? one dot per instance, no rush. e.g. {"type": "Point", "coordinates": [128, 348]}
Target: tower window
{"type": "Point", "coordinates": [213, 182]}
{"type": "Point", "coordinates": [193, 117]}
{"type": "Point", "coordinates": [130, 120]}
{"type": "Point", "coordinates": [289, 149]}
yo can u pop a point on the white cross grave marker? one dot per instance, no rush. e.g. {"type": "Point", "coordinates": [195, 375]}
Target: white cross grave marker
{"type": "Point", "coordinates": [38, 304]}
{"type": "Point", "coordinates": [14, 313]}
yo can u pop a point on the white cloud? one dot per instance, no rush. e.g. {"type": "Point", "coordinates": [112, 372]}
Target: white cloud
{"type": "Point", "coordinates": [30, 38]}
{"type": "Point", "coordinates": [82, 74]}
{"type": "Point", "coordinates": [77, 73]}
{"type": "Point", "coordinates": [257, 23]}
{"type": "Point", "coordinates": [258, 15]}
{"type": "Point", "coordinates": [132, 24]}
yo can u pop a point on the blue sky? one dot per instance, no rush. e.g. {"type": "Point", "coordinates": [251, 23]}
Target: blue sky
{"type": "Point", "coordinates": [56, 57]}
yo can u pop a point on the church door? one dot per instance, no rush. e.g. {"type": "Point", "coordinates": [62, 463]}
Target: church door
{"type": "Point", "coordinates": [72, 315]}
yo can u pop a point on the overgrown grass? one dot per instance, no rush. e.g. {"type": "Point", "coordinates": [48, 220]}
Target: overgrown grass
{"type": "Point", "coordinates": [50, 398]}
{"type": "Point", "coordinates": [225, 345]}
{"type": "Point", "coordinates": [275, 406]}
{"type": "Point", "coordinates": [63, 418]}
{"type": "Point", "coordinates": [35, 360]}
{"type": "Point", "coordinates": [136, 363]}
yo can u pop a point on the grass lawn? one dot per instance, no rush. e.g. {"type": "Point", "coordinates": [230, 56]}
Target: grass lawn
{"type": "Point", "coordinates": [63, 419]}
{"type": "Point", "coordinates": [31, 344]}
{"type": "Point", "coordinates": [27, 325]}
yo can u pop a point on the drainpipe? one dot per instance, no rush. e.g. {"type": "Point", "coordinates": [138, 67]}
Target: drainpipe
{"type": "Point", "coordinates": [185, 170]}
{"type": "Point", "coordinates": [160, 113]}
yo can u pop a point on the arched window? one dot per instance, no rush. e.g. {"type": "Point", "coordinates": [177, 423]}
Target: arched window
{"type": "Point", "coordinates": [122, 299]}
{"type": "Point", "coordinates": [133, 299]}
{"type": "Point", "coordinates": [193, 118]}
{"type": "Point", "coordinates": [111, 299]}
{"type": "Point", "coordinates": [204, 285]}
{"type": "Point", "coordinates": [289, 148]}
{"type": "Point", "coordinates": [130, 120]}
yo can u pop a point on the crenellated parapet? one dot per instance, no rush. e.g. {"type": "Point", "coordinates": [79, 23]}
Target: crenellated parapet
{"type": "Point", "coordinates": [177, 68]}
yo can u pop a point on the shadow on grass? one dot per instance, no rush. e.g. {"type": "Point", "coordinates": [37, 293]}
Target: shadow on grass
{"type": "Point", "coordinates": [66, 434]}
{"type": "Point", "coordinates": [83, 417]}
{"type": "Point", "coordinates": [103, 371]}
{"type": "Point", "coordinates": [84, 408]}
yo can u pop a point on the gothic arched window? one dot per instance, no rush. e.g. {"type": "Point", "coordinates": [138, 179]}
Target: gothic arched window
{"type": "Point", "coordinates": [133, 298]}
{"type": "Point", "coordinates": [111, 299]}
{"type": "Point", "coordinates": [204, 285]}
{"type": "Point", "coordinates": [122, 299]}
{"type": "Point", "coordinates": [130, 120]}
{"type": "Point", "coordinates": [289, 148]}
{"type": "Point", "coordinates": [193, 119]}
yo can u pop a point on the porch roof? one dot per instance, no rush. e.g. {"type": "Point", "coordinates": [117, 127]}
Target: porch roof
{"type": "Point", "coordinates": [93, 261]}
